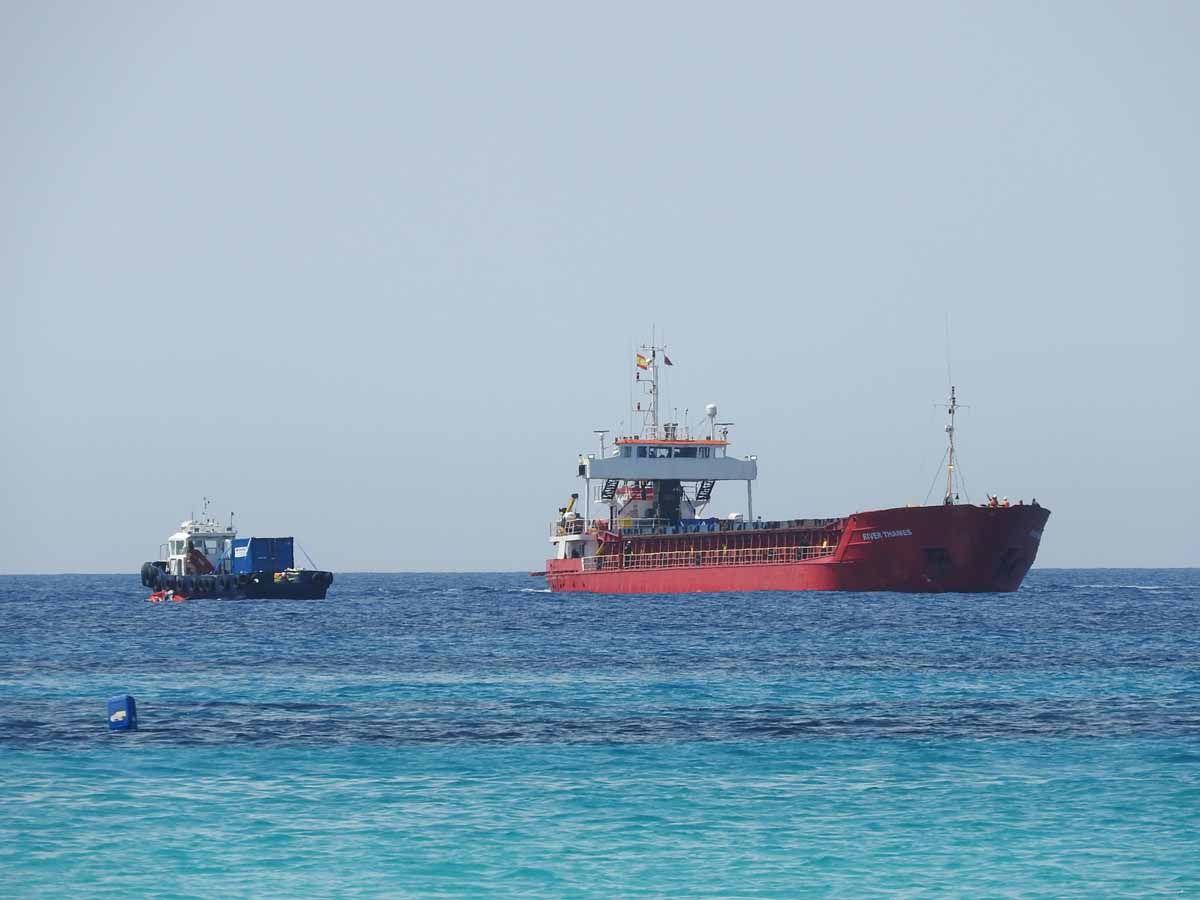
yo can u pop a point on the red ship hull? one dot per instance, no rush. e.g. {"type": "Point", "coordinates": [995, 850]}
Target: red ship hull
{"type": "Point", "coordinates": [928, 549]}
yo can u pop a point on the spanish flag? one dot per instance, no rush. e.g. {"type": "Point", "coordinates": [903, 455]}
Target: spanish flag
{"type": "Point", "coordinates": [642, 362]}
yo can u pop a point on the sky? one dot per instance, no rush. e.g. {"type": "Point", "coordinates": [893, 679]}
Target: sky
{"type": "Point", "coordinates": [370, 274]}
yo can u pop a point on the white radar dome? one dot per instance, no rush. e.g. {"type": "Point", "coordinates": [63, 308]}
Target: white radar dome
{"type": "Point", "coordinates": [711, 410]}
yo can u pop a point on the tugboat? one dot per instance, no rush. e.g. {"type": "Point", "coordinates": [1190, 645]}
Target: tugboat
{"type": "Point", "coordinates": [656, 538]}
{"type": "Point", "coordinates": [207, 559]}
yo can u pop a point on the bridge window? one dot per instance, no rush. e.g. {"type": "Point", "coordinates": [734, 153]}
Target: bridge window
{"type": "Point", "coordinates": [627, 451]}
{"type": "Point", "coordinates": [641, 452]}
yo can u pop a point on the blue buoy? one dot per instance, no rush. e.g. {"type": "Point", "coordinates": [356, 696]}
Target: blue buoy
{"type": "Point", "coordinates": [122, 713]}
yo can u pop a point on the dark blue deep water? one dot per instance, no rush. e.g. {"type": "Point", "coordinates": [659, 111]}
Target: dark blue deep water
{"type": "Point", "coordinates": [447, 735]}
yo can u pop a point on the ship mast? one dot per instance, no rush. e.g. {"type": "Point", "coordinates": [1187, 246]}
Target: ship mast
{"type": "Point", "coordinates": [951, 409]}
{"type": "Point", "coordinates": [650, 429]}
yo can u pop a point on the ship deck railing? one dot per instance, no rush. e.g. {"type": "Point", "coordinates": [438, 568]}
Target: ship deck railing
{"type": "Point", "coordinates": [688, 559]}
{"type": "Point", "coordinates": [628, 527]}
{"type": "Point", "coordinates": [624, 526]}
{"type": "Point", "coordinates": [559, 527]}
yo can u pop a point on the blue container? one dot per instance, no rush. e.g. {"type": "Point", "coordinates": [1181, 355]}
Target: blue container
{"type": "Point", "coordinates": [256, 554]}
{"type": "Point", "coordinates": [122, 713]}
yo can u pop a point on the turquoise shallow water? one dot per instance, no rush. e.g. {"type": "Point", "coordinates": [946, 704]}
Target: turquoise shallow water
{"type": "Point", "coordinates": [459, 735]}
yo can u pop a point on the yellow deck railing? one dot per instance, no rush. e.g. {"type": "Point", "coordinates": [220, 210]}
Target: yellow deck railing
{"type": "Point", "coordinates": [678, 559]}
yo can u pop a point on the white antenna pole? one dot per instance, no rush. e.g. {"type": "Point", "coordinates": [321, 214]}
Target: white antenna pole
{"type": "Point", "coordinates": [650, 414]}
{"type": "Point", "coordinates": [951, 410]}
{"type": "Point", "coordinates": [949, 500]}
{"type": "Point", "coordinates": [653, 392]}
{"type": "Point", "coordinates": [653, 388]}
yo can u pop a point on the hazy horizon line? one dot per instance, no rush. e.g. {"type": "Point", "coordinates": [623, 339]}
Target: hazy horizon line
{"type": "Point", "coordinates": [1173, 568]}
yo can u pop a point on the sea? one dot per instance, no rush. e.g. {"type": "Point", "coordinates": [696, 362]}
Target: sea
{"type": "Point", "coordinates": [472, 735]}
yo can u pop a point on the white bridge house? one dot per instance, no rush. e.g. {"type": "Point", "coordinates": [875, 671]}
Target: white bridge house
{"type": "Point", "coordinates": [651, 482]}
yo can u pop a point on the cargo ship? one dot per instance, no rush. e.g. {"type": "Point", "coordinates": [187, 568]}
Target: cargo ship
{"type": "Point", "coordinates": [205, 558]}
{"type": "Point", "coordinates": [654, 536]}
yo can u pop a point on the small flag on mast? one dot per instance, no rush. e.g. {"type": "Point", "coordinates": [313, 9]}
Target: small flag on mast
{"type": "Point", "coordinates": [667, 360]}
{"type": "Point", "coordinates": [642, 362]}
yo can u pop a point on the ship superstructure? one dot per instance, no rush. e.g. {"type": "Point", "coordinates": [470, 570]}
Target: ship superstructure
{"type": "Point", "coordinates": [652, 490]}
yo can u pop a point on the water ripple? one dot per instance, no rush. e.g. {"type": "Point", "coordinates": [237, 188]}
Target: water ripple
{"type": "Point", "coordinates": [438, 735]}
